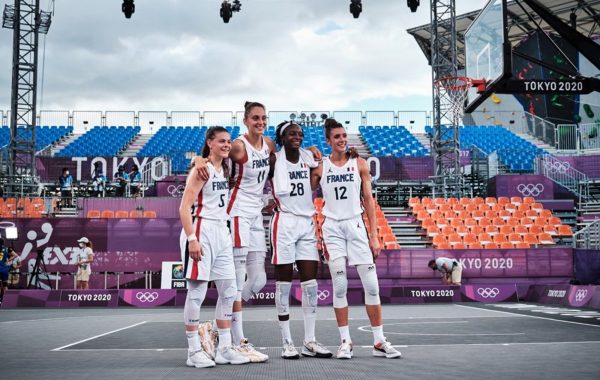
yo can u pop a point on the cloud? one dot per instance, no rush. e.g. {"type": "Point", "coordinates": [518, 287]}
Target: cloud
{"type": "Point", "coordinates": [179, 55]}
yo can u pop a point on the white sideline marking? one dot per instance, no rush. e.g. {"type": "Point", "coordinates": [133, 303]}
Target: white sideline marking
{"type": "Point", "coordinates": [532, 316]}
{"type": "Point", "coordinates": [368, 347]}
{"type": "Point", "coordinates": [98, 336]}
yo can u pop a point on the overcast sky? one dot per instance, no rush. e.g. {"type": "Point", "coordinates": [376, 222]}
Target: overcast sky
{"type": "Point", "coordinates": [179, 55]}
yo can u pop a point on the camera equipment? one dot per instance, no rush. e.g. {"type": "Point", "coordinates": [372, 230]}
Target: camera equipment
{"type": "Point", "coordinates": [355, 8]}
{"type": "Point", "coordinates": [413, 5]}
{"type": "Point", "coordinates": [128, 8]}
{"type": "Point", "coordinates": [39, 268]}
{"type": "Point", "coordinates": [228, 8]}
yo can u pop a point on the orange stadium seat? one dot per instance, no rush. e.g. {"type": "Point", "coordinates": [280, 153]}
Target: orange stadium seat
{"type": "Point", "coordinates": [526, 221]}
{"type": "Point", "coordinates": [506, 230]}
{"type": "Point", "coordinates": [500, 238]}
{"type": "Point", "coordinates": [452, 201]}
{"type": "Point", "coordinates": [516, 200]}
{"type": "Point", "coordinates": [462, 230]}
{"type": "Point", "coordinates": [475, 245]}
{"type": "Point", "coordinates": [477, 230]}
{"type": "Point", "coordinates": [531, 239]}
{"type": "Point", "coordinates": [484, 222]}
{"type": "Point", "coordinates": [537, 206]}
{"type": "Point", "coordinates": [503, 200]}
{"type": "Point", "coordinates": [536, 229]}
{"type": "Point", "coordinates": [438, 240]}
{"type": "Point", "coordinates": [506, 245]}
{"type": "Point", "coordinates": [522, 245]}
{"type": "Point", "coordinates": [470, 239]}
{"type": "Point", "coordinates": [510, 207]}
{"type": "Point", "coordinates": [497, 221]}
{"type": "Point", "coordinates": [504, 214]}
{"type": "Point", "coordinates": [426, 201]}
{"type": "Point", "coordinates": [550, 229]}
{"type": "Point", "coordinates": [564, 230]}
{"type": "Point", "coordinates": [122, 214]}
{"type": "Point", "coordinates": [484, 238]}
{"type": "Point", "coordinates": [478, 200]}
{"type": "Point", "coordinates": [515, 238]}
{"type": "Point", "coordinates": [520, 229]}
{"type": "Point", "coordinates": [471, 207]}
{"type": "Point", "coordinates": [533, 214]}
{"type": "Point", "coordinates": [528, 200]}
{"type": "Point", "coordinates": [91, 214]}
{"type": "Point", "coordinates": [491, 229]}
{"type": "Point", "coordinates": [554, 221]}
{"type": "Point", "coordinates": [413, 201]}
{"type": "Point", "coordinates": [454, 239]}
{"type": "Point", "coordinates": [107, 214]}
{"type": "Point", "coordinates": [491, 201]}
{"type": "Point", "coordinates": [491, 245]}
{"type": "Point", "coordinates": [545, 238]}
{"type": "Point", "coordinates": [477, 214]}
{"type": "Point", "coordinates": [150, 214]}
{"type": "Point", "coordinates": [465, 201]}
{"type": "Point", "coordinates": [544, 213]}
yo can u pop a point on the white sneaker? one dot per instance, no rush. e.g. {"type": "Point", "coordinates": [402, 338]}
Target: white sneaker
{"type": "Point", "coordinates": [386, 350]}
{"type": "Point", "coordinates": [248, 350]}
{"type": "Point", "coordinates": [315, 349]}
{"type": "Point", "coordinates": [228, 355]}
{"type": "Point", "coordinates": [209, 338]}
{"type": "Point", "coordinates": [289, 351]}
{"type": "Point", "coordinates": [199, 359]}
{"type": "Point", "coordinates": [345, 350]}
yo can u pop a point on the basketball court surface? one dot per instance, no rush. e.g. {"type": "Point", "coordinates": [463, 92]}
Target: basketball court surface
{"type": "Point", "coordinates": [437, 341]}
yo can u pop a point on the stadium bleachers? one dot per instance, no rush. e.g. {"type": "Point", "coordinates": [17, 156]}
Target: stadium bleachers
{"type": "Point", "coordinates": [44, 135]}
{"type": "Point", "coordinates": [100, 141]}
{"type": "Point", "coordinates": [313, 136]}
{"type": "Point", "coordinates": [487, 222]}
{"type": "Point", "coordinates": [392, 141]}
{"type": "Point", "coordinates": [174, 142]}
{"type": "Point", "coordinates": [513, 151]}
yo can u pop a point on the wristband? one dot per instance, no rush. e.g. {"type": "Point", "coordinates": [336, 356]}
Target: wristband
{"type": "Point", "coordinates": [191, 238]}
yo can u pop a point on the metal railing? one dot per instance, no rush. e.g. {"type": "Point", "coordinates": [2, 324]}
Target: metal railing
{"type": "Point", "coordinates": [540, 128]}
{"type": "Point", "coordinates": [578, 137]}
{"type": "Point", "coordinates": [589, 237]}
{"type": "Point", "coordinates": [564, 174]}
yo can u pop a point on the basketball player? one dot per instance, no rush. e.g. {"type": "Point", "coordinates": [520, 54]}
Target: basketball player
{"type": "Point", "coordinates": [293, 237]}
{"type": "Point", "coordinates": [345, 181]}
{"type": "Point", "coordinates": [207, 251]}
{"type": "Point", "coordinates": [250, 156]}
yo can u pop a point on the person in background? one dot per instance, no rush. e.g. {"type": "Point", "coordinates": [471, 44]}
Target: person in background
{"type": "Point", "coordinates": [122, 180]}
{"type": "Point", "coordinates": [5, 256]}
{"type": "Point", "coordinates": [451, 270]}
{"type": "Point", "coordinates": [135, 184]}
{"type": "Point", "coordinates": [85, 257]}
{"type": "Point", "coordinates": [14, 274]}
{"type": "Point", "coordinates": [98, 181]}
{"type": "Point", "coordinates": [65, 182]}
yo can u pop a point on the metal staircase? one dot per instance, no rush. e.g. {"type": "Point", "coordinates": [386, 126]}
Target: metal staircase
{"type": "Point", "coordinates": [563, 174]}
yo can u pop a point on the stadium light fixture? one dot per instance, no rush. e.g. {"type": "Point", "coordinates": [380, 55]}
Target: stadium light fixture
{"type": "Point", "coordinates": [355, 8]}
{"type": "Point", "coordinates": [413, 5]}
{"type": "Point", "coordinates": [228, 8]}
{"type": "Point", "coordinates": [128, 8]}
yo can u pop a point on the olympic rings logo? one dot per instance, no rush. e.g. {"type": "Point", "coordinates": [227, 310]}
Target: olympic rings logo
{"type": "Point", "coordinates": [175, 190]}
{"type": "Point", "coordinates": [557, 167]}
{"type": "Point", "coordinates": [146, 296]}
{"type": "Point", "coordinates": [322, 295]}
{"type": "Point", "coordinates": [580, 295]}
{"type": "Point", "coordinates": [488, 292]}
{"type": "Point", "coordinates": [530, 189]}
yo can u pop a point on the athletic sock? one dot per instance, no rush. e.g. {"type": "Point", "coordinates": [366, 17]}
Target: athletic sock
{"type": "Point", "coordinates": [377, 334]}
{"type": "Point", "coordinates": [237, 331]}
{"type": "Point", "coordinates": [284, 327]}
{"type": "Point", "coordinates": [193, 341]}
{"type": "Point", "coordinates": [345, 333]}
{"type": "Point", "coordinates": [224, 338]}
{"type": "Point", "coordinates": [310, 320]}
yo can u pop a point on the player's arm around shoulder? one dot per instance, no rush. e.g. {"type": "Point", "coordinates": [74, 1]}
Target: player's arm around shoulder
{"type": "Point", "coordinates": [315, 176]}
{"type": "Point", "coordinates": [238, 151]}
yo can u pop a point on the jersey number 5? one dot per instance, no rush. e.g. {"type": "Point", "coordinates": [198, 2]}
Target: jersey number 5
{"type": "Point", "coordinates": [222, 200]}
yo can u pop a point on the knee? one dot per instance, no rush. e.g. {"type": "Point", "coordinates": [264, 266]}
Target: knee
{"type": "Point", "coordinates": [368, 277]}
{"type": "Point", "coordinates": [259, 282]}
{"type": "Point", "coordinates": [282, 297]}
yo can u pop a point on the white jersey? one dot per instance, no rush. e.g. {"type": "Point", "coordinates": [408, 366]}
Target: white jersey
{"type": "Point", "coordinates": [341, 190]}
{"type": "Point", "coordinates": [299, 199]}
{"type": "Point", "coordinates": [82, 255]}
{"type": "Point", "coordinates": [250, 176]}
{"type": "Point", "coordinates": [214, 196]}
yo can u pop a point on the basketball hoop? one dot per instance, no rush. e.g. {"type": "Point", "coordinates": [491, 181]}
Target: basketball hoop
{"type": "Point", "coordinates": [455, 89]}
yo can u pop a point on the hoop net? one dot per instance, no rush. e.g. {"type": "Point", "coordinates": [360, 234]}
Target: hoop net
{"type": "Point", "coordinates": [454, 90]}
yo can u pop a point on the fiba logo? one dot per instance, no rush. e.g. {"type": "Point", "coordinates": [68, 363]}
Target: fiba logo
{"type": "Point", "coordinates": [580, 295]}
{"type": "Point", "coordinates": [530, 189]}
{"type": "Point", "coordinates": [146, 296]}
{"type": "Point", "coordinates": [488, 292]}
{"type": "Point", "coordinates": [322, 295]}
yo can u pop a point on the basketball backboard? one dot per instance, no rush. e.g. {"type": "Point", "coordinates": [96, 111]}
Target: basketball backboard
{"type": "Point", "coordinates": [487, 51]}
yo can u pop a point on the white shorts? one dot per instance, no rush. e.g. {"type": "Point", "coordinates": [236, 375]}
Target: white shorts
{"type": "Point", "coordinates": [248, 232]}
{"type": "Point", "coordinates": [292, 238]}
{"type": "Point", "coordinates": [347, 238]}
{"type": "Point", "coordinates": [217, 259]}
{"type": "Point", "coordinates": [83, 274]}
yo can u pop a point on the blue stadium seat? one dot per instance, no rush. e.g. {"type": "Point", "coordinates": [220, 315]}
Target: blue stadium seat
{"type": "Point", "coordinates": [101, 141]}
{"type": "Point", "coordinates": [392, 141]}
